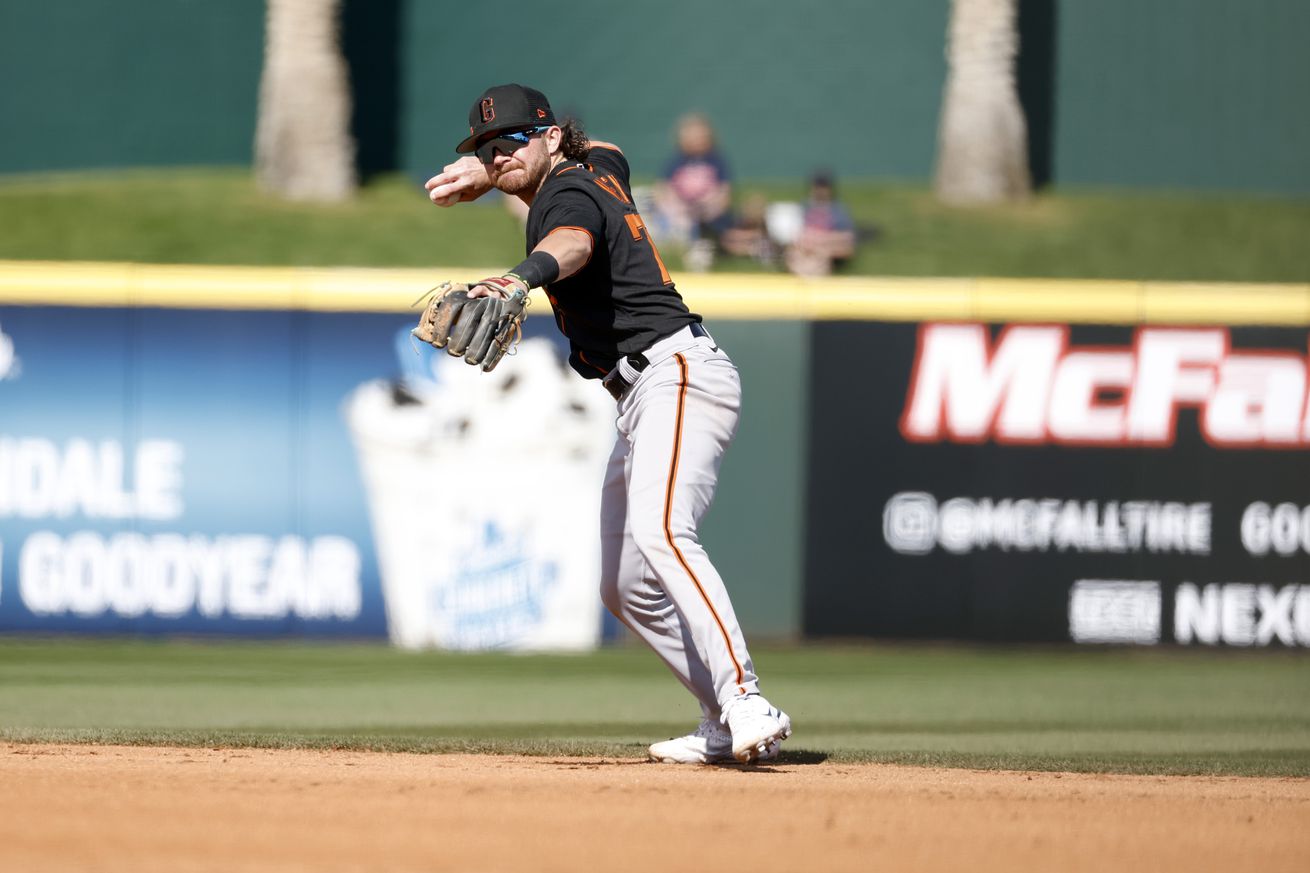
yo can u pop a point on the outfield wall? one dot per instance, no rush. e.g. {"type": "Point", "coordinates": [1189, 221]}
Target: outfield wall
{"type": "Point", "coordinates": [237, 451]}
{"type": "Point", "coordinates": [1191, 94]}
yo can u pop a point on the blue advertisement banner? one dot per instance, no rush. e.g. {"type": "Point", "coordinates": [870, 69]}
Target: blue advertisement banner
{"type": "Point", "coordinates": [168, 471]}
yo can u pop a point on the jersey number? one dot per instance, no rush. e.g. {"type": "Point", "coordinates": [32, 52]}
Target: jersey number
{"type": "Point", "coordinates": [638, 229]}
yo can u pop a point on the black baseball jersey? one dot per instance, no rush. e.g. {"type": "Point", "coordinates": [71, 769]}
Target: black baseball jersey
{"type": "Point", "coordinates": [623, 299]}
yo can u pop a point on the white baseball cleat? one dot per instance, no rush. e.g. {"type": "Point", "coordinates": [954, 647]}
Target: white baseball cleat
{"type": "Point", "coordinates": [757, 727]}
{"type": "Point", "coordinates": [708, 744]}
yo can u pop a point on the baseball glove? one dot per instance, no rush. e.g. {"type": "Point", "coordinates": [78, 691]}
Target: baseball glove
{"type": "Point", "coordinates": [478, 329]}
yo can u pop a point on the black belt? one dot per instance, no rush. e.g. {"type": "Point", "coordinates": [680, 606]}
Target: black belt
{"type": "Point", "coordinates": [614, 382]}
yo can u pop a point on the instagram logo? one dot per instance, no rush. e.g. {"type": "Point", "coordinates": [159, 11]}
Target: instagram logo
{"type": "Point", "coordinates": [909, 522]}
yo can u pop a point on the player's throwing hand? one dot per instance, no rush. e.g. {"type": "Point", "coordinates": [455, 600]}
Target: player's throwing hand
{"type": "Point", "coordinates": [460, 182]}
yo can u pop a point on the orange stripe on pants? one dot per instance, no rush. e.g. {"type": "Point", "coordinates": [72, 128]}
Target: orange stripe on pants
{"type": "Point", "coordinates": [684, 381]}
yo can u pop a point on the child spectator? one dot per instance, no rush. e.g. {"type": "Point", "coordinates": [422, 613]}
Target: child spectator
{"type": "Point", "coordinates": [749, 236]}
{"type": "Point", "coordinates": [827, 235]}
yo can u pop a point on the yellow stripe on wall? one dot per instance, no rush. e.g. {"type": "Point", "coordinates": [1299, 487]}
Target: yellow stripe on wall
{"type": "Point", "coordinates": [715, 295]}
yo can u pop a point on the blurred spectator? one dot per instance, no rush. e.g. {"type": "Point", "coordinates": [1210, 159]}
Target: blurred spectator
{"type": "Point", "coordinates": [827, 233]}
{"type": "Point", "coordinates": [749, 236]}
{"type": "Point", "coordinates": [694, 194]}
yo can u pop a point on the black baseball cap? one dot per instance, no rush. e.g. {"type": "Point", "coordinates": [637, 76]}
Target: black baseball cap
{"type": "Point", "coordinates": [506, 107]}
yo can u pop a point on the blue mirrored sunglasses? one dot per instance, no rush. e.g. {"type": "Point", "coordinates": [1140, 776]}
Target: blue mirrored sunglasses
{"type": "Point", "coordinates": [506, 142]}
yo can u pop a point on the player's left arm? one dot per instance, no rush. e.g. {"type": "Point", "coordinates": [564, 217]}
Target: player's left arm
{"type": "Point", "coordinates": [571, 247]}
{"type": "Point", "coordinates": [563, 252]}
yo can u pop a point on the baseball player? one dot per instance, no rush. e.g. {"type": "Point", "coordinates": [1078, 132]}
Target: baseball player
{"type": "Point", "coordinates": [677, 396]}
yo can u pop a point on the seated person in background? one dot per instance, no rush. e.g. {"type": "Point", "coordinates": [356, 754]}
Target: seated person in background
{"type": "Point", "coordinates": [749, 236]}
{"type": "Point", "coordinates": [694, 194]}
{"type": "Point", "coordinates": [827, 234]}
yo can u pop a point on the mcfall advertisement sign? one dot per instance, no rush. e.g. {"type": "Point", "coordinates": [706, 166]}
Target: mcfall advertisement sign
{"type": "Point", "coordinates": [1051, 482]}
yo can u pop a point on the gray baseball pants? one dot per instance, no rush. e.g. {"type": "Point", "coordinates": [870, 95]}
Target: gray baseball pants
{"type": "Point", "coordinates": [674, 424]}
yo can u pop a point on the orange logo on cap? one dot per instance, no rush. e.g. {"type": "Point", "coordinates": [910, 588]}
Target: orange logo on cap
{"type": "Point", "coordinates": [488, 109]}
{"type": "Point", "coordinates": [541, 113]}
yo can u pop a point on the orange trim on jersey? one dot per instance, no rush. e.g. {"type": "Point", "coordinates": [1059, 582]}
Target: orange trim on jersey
{"type": "Point", "coordinates": [589, 236]}
{"type": "Point", "coordinates": [668, 514]}
{"type": "Point", "coordinates": [573, 227]}
{"type": "Point", "coordinates": [612, 187]}
{"type": "Point", "coordinates": [582, 356]}
{"type": "Point", "coordinates": [615, 179]}
{"type": "Point", "coordinates": [559, 313]}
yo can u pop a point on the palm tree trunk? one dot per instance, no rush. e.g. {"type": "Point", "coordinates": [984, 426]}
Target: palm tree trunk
{"type": "Point", "coordinates": [982, 148]}
{"type": "Point", "coordinates": [303, 146]}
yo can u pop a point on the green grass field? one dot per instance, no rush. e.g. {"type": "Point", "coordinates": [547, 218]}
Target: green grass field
{"type": "Point", "coordinates": [218, 217]}
{"type": "Point", "coordinates": [1182, 712]}
{"type": "Point", "coordinates": [1115, 710]}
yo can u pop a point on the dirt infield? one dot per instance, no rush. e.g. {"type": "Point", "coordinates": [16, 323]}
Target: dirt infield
{"type": "Point", "coordinates": [132, 809]}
